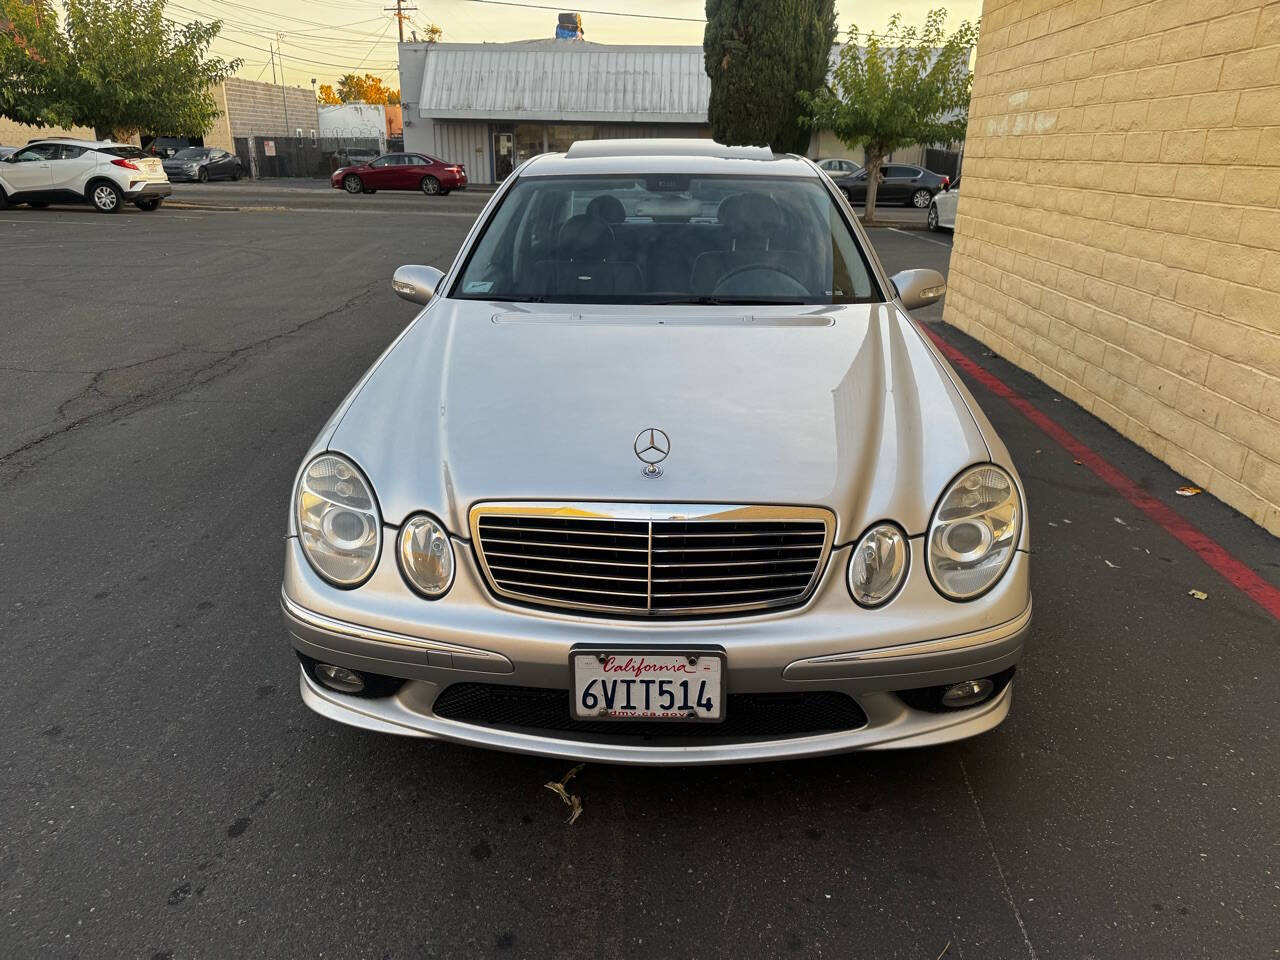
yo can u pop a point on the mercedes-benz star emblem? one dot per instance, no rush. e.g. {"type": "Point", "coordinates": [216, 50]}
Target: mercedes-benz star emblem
{"type": "Point", "coordinates": [652, 447]}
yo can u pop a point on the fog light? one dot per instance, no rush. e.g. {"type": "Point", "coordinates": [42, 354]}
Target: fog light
{"type": "Point", "coordinates": [967, 694]}
{"type": "Point", "coordinates": [341, 679]}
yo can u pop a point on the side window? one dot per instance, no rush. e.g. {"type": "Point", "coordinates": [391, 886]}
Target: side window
{"type": "Point", "coordinates": [383, 162]}
{"type": "Point", "coordinates": [41, 151]}
{"type": "Point", "coordinates": [67, 152]}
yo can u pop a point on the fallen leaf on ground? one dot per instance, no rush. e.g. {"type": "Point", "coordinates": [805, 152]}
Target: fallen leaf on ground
{"type": "Point", "coordinates": [558, 787]}
{"type": "Point", "coordinates": [1110, 564]}
{"type": "Point", "coordinates": [1198, 594]}
{"type": "Point", "coordinates": [1188, 491]}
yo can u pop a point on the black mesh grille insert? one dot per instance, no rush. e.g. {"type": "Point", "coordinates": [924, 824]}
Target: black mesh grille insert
{"type": "Point", "coordinates": [748, 716]}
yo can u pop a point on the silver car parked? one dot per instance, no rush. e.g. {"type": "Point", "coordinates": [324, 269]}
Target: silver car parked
{"type": "Point", "coordinates": [663, 473]}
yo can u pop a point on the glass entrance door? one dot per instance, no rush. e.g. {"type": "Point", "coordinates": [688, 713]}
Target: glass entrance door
{"type": "Point", "coordinates": [503, 156]}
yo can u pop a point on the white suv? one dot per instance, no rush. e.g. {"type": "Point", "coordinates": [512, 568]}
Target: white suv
{"type": "Point", "coordinates": [98, 172]}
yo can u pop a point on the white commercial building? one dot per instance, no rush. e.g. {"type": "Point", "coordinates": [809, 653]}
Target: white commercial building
{"type": "Point", "coordinates": [493, 105]}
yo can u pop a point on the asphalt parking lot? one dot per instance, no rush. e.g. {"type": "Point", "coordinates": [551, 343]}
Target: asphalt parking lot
{"type": "Point", "coordinates": [164, 793]}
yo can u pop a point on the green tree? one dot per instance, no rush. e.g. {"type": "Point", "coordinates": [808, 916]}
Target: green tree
{"type": "Point", "coordinates": [118, 66]}
{"type": "Point", "coordinates": [32, 61]}
{"type": "Point", "coordinates": [884, 96]}
{"type": "Point", "coordinates": [759, 54]}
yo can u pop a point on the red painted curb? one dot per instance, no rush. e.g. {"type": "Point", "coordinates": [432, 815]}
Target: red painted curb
{"type": "Point", "coordinates": [1235, 571]}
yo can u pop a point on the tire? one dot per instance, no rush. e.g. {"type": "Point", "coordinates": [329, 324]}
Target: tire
{"type": "Point", "coordinates": [430, 186]}
{"type": "Point", "coordinates": [368, 190]}
{"type": "Point", "coordinates": [4, 199]}
{"type": "Point", "coordinates": [203, 175]}
{"type": "Point", "coordinates": [235, 172]}
{"type": "Point", "coordinates": [933, 217]}
{"type": "Point", "coordinates": [848, 195]}
{"type": "Point", "coordinates": [105, 196]}
{"type": "Point", "coordinates": [38, 204]}
{"type": "Point", "coordinates": [150, 205]}
{"type": "Point", "coordinates": [444, 193]}
{"type": "Point", "coordinates": [920, 199]}
{"type": "Point", "coordinates": [352, 184]}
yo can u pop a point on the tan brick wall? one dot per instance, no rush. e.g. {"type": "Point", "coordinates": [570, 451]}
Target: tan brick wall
{"type": "Point", "coordinates": [258, 109]}
{"type": "Point", "coordinates": [16, 134]}
{"type": "Point", "coordinates": [1118, 232]}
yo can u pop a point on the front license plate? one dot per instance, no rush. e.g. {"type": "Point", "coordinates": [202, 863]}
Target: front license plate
{"type": "Point", "coordinates": [647, 686]}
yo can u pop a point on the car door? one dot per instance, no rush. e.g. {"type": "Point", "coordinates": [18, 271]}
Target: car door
{"type": "Point", "coordinates": [381, 173]}
{"type": "Point", "coordinates": [416, 167]}
{"type": "Point", "coordinates": [70, 166]}
{"type": "Point", "coordinates": [218, 164]}
{"type": "Point", "coordinates": [30, 169]}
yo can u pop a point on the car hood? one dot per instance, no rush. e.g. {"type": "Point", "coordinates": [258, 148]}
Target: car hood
{"type": "Point", "coordinates": [844, 407]}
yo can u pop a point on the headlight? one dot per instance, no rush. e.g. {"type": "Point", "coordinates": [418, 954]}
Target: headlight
{"type": "Point", "coordinates": [974, 532]}
{"type": "Point", "coordinates": [426, 556]}
{"type": "Point", "coordinates": [338, 523]}
{"type": "Point", "coordinates": [879, 564]}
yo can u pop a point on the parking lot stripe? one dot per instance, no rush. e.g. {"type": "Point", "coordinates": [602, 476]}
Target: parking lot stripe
{"type": "Point", "coordinates": [1236, 572]}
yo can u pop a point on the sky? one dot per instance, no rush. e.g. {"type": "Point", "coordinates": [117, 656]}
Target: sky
{"type": "Point", "coordinates": [327, 38]}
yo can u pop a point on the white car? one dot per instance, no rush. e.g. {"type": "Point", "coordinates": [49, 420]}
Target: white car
{"type": "Point", "coordinates": [99, 172]}
{"type": "Point", "coordinates": [942, 209]}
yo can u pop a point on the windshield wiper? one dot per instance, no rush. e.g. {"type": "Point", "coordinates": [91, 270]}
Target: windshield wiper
{"type": "Point", "coordinates": [512, 299]}
{"type": "Point", "coordinates": [727, 302]}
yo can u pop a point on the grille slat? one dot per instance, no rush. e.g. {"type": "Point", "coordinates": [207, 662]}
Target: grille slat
{"type": "Point", "coordinates": [633, 565]}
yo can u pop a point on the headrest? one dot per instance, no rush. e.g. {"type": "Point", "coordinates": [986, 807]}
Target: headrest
{"type": "Point", "coordinates": [751, 213]}
{"type": "Point", "coordinates": [585, 238]}
{"type": "Point", "coordinates": [608, 208]}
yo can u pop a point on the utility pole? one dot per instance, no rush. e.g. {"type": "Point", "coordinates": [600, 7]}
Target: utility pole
{"type": "Point", "coordinates": [400, 10]}
{"type": "Point", "coordinates": [284, 99]}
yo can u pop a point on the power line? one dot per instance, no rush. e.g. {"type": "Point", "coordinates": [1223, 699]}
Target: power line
{"type": "Point", "coordinates": [601, 13]}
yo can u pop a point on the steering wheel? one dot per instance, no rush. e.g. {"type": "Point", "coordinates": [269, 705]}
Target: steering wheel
{"type": "Point", "coordinates": [798, 287]}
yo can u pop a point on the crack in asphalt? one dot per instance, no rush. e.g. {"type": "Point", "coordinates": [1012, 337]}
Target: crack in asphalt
{"type": "Point", "coordinates": [224, 362]}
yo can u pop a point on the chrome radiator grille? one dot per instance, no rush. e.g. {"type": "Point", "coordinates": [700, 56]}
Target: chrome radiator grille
{"type": "Point", "coordinates": [650, 560]}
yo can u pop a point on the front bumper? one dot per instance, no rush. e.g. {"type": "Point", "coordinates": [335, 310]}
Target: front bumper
{"type": "Point", "coordinates": [828, 645]}
{"type": "Point", "coordinates": [148, 189]}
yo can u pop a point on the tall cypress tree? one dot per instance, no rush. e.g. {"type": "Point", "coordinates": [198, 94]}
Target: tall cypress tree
{"type": "Point", "coordinates": [759, 54]}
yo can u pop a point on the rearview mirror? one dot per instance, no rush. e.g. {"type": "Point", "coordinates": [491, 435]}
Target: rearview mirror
{"type": "Point", "coordinates": [919, 288]}
{"type": "Point", "coordinates": [416, 283]}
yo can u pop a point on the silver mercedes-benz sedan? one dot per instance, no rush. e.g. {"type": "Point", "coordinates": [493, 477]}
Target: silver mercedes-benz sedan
{"type": "Point", "coordinates": [665, 473]}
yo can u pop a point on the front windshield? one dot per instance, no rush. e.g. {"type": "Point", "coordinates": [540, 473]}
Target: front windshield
{"type": "Point", "coordinates": [667, 238]}
{"type": "Point", "coordinates": [191, 153]}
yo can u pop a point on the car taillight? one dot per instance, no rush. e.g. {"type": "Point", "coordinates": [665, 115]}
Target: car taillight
{"type": "Point", "coordinates": [454, 168]}
{"type": "Point", "coordinates": [946, 183]}
{"type": "Point", "coordinates": [121, 162]}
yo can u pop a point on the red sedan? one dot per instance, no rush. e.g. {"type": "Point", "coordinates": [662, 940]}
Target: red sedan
{"type": "Point", "coordinates": [401, 171]}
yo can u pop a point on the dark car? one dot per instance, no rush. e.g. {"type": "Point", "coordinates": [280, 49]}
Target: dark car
{"type": "Point", "coordinates": [164, 147]}
{"type": "Point", "coordinates": [401, 171]}
{"type": "Point", "coordinates": [203, 164]}
{"type": "Point", "coordinates": [902, 183]}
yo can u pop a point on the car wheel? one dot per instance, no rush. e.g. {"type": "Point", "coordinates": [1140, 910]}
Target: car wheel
{"type": "Point", "coordinates": [933, 216]}
{"type": "Point", "coordinates": [352, 184]}
{"type": "Point", "coordinates": [848, 195]}
{"type": "Point", "coordinates": [150, 204]}
{"type": "Point", "coordinates": [203, 175]}
{"type": "Point", "coordinates": [921, 199]}
{"type": "Point", "coordinates": [235, 172]}
{"type": "Point", "coordinates": [4, 199]}
{"type": "Point", "coordinates": [105, 197]}
{"type": "Point", "coordinates": [430, 186]}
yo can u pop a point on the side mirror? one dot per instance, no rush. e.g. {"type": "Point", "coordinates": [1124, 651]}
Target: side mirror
{"type": "Point", "coordinates": [919, 288]}
{"type": "Point", "coordinates": [416, 283]}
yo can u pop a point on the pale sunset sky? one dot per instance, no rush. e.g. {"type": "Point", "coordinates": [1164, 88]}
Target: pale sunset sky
{"type": "Point", "coordinates": [327, 38]}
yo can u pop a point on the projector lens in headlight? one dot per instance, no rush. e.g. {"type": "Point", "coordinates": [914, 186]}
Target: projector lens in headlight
{"type": "Point", "coordinates": [338, 523]}
{"type": "Point", "coordinates": [974, 532]}
{"type": "Point", "coordinates": [878, 565]}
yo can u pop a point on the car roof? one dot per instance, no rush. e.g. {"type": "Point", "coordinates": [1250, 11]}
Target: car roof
{"type": "Point", "coordinates": [75, 142]}
{"type": "Point", "coordinates": [588, 157]}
